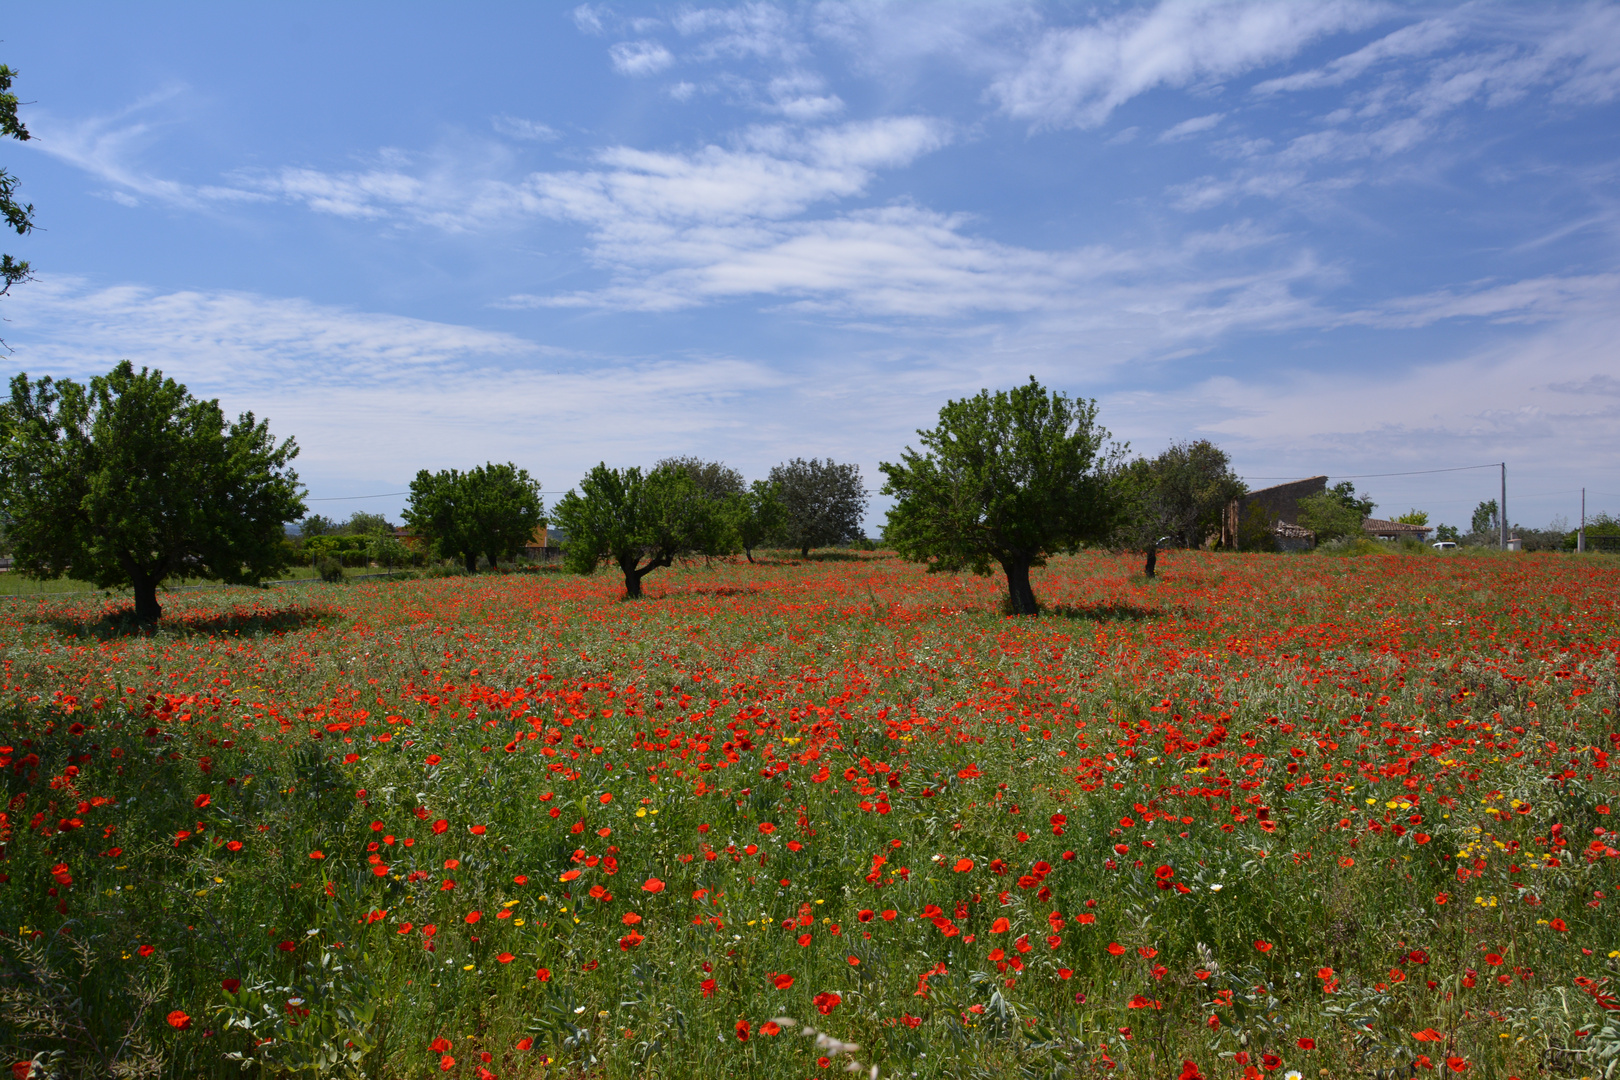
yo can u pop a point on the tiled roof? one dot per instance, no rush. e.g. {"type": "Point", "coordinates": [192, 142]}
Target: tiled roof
{"type": "Point", "coordinates": [1379, 525]}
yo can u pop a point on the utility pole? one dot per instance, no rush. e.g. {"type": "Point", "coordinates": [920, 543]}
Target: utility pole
{"type": "Point", "coordinates": [1504, 507]}
{"type": "Point", "coordinates": [1580, 537]}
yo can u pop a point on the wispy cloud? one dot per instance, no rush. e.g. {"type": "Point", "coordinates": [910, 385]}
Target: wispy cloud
{"type": "Point", "coordinates": [1410, 90]}
{"type": "Point", "coordinates": [1191, 127]}
{"type": "Point", "coordinates": [515, 127]}
{"type": "Point", "coordinates": [640, 57]}
{"type": "Point", "coordinates": [1077, 76]}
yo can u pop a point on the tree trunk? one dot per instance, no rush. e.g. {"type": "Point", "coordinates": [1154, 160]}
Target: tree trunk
{"type": "Point", "coordinates": [1019, 594]}
{"type": "Point", "coordinates": [146, 605]}
{"type": "Point", "coordinates": [804, 551]}
{"type": "Point", "coordinates": [472, 561]}
{"type": "Point", "coordinates": [632, 576]}
{"type": "Point", "coordinates": [750, 553]}
{"type": "Point", "coordinates": [1152, 559]}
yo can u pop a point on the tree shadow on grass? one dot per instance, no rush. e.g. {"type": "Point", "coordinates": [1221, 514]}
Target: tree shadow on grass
{"type": "Point", "coordinates": [120, 622]}
{"type": "Point", "coordinates": [1110, 612]}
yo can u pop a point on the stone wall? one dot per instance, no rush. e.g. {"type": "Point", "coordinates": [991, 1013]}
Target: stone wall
{"type": "Point", "coordinates": [1281, 503]}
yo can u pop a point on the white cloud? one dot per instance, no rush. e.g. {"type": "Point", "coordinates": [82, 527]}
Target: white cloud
{"type": "Point", "coordinates": [1409, 99]}
{"type": "Point", "coordinates": [378, 395]}
{"type": "Point", "coordinates": [748, 31]}
{"type": "Point", "coordinates": [1419, 39]}
{"type": "Point", "coordinates": [1077, 76]}
{"type": "Point", "coordinates": [515, 127]}
{"type": "Point", "coordinates": [800, 96]}
{"type": "Point", "coordinates": [236, 337]}
{"type": "Point", "coordinates": [1191, 127]}
{"type": "Point", "coordinates": [640, 57]}
{"type": "Point", "coordinates": [1533, 300]}
{"type": "Point", "coordinates": [588, 17]}
{"type": "Point", "coordinates": [776, 173]}
{"type": "Point", "coordinates": [106, 146]}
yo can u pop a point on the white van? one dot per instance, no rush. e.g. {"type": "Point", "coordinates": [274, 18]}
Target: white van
{"type": "Point", "coordinates": [1445, 545]}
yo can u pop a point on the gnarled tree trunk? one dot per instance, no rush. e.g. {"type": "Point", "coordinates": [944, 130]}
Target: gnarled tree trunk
{"type": "Point", "coordinates": [1019, 594]}
{"type": "Point", "coordinates": [146, 605]}
{"type": "Point", "coordinates": [471, 558]}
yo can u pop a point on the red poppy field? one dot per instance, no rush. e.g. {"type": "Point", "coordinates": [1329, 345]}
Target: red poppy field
{"type": "Point", "coordinates": [1261, 816]}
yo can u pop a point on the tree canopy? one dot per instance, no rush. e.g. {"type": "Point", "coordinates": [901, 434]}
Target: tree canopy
{"type": "Point", "coordinates": [755, 515]}
{"type": "Point", "coordinates": [131, 480]}
{"type": "Point", "coordinates": [1335, 513]}
{"type": "Point", "coordinates": [822, 502]}
{"type": "Point", "coordinates": [638, 521]}
{"type": "Point", "coordinates": [492, 511]}
{"type": "Point", "coordinates": [1010, 478]}
{"type": "Point", "coordinates": [1181, 494]}
{"type": "Point", "coordinates": [18, 216]}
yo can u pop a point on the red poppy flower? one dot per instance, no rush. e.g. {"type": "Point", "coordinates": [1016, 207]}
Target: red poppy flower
{"type": "Point", "coordinates": [506, 958]}
{"type": "Point", "coordinates": [202, 801]}
{"type": "Point", "coordinates": [1456, 1064]}
{"type": "Point", "coordinates": [1306, 1043]}
{"type": "Point", "coordinates": [825, 1002]}
{"type": "Point", "coordinates": [782, 981]}
{"type": "Point", "coordinates": [630, 941]}
{"type": "Point", "coordinates": [804, 941]}
{"type": "Point", "coordinates": [446, 1063]}
{"type": "Point", "coordinates": [1141, 1002]}
{"type": "Point", "coordinates": [525, 1043]}
{"type": "Point", "coordinates": [544, 974]}
{"type": "Point", "coordinates": [1558, 925]}
{"type": "Point", "coordinates": [440, 826]}
{"type": "Point", "coordinates": [440, 1045]}
{"type": "Point", "coordinates": [231, 986]}
{"type": "Point", "coordinates": [865, 915]}
{"type": "Point", "coordinates": [473, 917]}
{"type": "Point", "coordinates": [963, 865]}
{"type": "Point", "coordinates": [1116, 949]}
{"type": "Point", "coordinates": [742, 1031]}
{"type": "Point", "coordinates": [1000, 926]}
{"type": "Point", "coordinates": [1263, 946]}
{"type": "Point", "coordinates": [767, 828]}
{"type": "Point", "coordinates": [652, 885]}
{"type": "Point", "coordinates": [1428, 1035]}
{"type": "Point", "coordinates": [179, 1020]}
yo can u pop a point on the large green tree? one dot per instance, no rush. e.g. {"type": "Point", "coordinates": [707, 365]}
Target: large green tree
{"type": "Point", "coordinates": [492, 511]}
{"type": "Point", "coordinates": [637, 521]}
{"type": "Point", "coordinates": [822, 502]}
{"type": "Point", "coordinates": [1181, 494]}
{"type": "Point", "coordinates": [1336, 512]}
{"type": "Point", "coordinates": [722, 486]}
{"type": "Point", "coordinates": [18, 217]}
{"type": "Point", "coordinates": [1007, 478]}
{"type": "Point", "coordinates": [755, 515]}
{"type": "Point", "coordinates": [131, 480]}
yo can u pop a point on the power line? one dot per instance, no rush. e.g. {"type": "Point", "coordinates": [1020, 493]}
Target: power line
{"type": "Point", "coordinates": [387, 495]}
{"type": "Point", "coordinates": [1371, 475]}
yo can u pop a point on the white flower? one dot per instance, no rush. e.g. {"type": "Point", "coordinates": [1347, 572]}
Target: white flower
{"type": "Point", "coordinates": [1217, 887]}
{"type": "Point", "coordinates": [1292, 1074]}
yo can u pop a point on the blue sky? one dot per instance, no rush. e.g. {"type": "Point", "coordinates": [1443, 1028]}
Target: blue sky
{"type": "Point", "coordinates": [1337, 237]}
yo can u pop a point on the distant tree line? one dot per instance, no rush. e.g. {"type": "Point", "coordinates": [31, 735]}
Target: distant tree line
{"type": "Point", "coordinates": [129, 481]}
